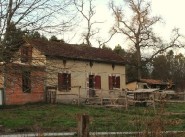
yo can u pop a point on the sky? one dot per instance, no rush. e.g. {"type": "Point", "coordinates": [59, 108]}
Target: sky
{"type": "Point", "coordinates": [171, 11]}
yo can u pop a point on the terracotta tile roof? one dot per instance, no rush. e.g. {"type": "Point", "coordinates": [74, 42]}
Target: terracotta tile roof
{"type": "Point", "coordinates": [153, 81]}
{"type": "Point", "coordinates": [74, 51]}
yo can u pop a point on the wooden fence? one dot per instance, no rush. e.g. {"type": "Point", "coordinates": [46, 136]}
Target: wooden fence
{"type": "Point", "coordinates": [117, 97]}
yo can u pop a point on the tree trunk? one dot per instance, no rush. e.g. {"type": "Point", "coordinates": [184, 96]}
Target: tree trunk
{"type": "Point", "coordinates": [139, 65]}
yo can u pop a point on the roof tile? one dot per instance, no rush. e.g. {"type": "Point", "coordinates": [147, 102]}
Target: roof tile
{"type": "Point", "coordinates": [74, 51]}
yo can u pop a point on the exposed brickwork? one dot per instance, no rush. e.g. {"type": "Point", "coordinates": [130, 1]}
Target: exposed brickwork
{"type": "Point", "coordinates": [14, 93]}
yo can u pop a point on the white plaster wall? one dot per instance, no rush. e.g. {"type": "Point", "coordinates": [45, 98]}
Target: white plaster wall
{"type": "Point", "coordinates": [80, 71]}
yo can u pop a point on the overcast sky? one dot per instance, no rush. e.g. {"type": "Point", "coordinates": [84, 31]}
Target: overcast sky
{"type": "Point", "coordinates": [172, 12]}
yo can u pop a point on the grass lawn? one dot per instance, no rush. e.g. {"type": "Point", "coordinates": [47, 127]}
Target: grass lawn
{"type": "Point", "coordinates": [60, 117]}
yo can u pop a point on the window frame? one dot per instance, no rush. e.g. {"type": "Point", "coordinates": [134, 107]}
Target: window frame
{"type": "Point", "coordinates": [26, 54]}
{"type": "Point", "coordinates": [64, 81]}
{"type": "Point", "coordinates": [114, 82]}
{"type": "Point", "coordinates": [26, 81]}
{"type": "Point", "coordinates": [96, 81]}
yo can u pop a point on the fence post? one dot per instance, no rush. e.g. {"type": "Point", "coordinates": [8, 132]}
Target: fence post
{"type": "Point", "coordinates": [153, 101]}
{"type": "Point", "coordinates": [83, 125]}
{"type": "Point", "coordinates": [79, 95]}
{"type": "Point", "coordinates": [101, 98]}
{"type": "Point", "coordinates": [126, 100]}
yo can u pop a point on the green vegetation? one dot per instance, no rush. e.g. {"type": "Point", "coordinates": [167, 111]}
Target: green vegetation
{"type": "Point", "coordinates": [60, 117]}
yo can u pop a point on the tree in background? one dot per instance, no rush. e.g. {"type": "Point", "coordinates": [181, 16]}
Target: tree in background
{"type": "Point", "coordinates": [179, 72]}
{"type": "Point", "coordinates": [161, 68]}
{"type": "Point", "coordinates": [31, 15]}
{"type": "Point", "coordinates": [11, 42]}
{"type": "Point", "coordinates": [138, 30]}
{"type": "Point", "coordinates": [53, 38]}
{"type": "Point", "coordinates": [169, 67]}
{"type": "Point", "coordinates": [34, 35]}
{"type": "Point", "coordinates": [131, 63]}
{"type": "Point", "coordinates": [119, 50]}
{"type": "Point", "coordinates": [105, 47]}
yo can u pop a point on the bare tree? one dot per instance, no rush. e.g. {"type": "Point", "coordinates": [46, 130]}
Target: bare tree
{"type": "Point", "coordinates": [33, 15]}
{"type": "Point", "coordinates": [46, 16]}
{"type": "Point", "coordinates": [80, 6]}
{"type": "Point", "coordinates": [87, 10]}
{"type": "Point", "coordinates": [138, 30]}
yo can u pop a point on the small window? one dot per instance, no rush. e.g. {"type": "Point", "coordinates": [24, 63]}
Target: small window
{"type": "Point", "coordinates": [26, 54]}
{"type": "Point", "coordinates": [91, 81]}
{"type": "Point", "coordinates": [95, 81]}
{"type": "Point", "coordinates": [64, 81]}
{"type": "Point", "coordinates": [26, 82]}
{"type": "Point", "coordinates": [114, 82]}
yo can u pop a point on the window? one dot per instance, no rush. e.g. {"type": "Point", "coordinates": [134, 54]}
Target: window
{"type": "Point", "coordinates": [26, 54]}
{"type": "Point", "coordinates": [26, 82]}
{"type": "Point", "coordinates": [114, 82]}
{"type": "Point", "coordinates": [91, 81]}
{"type": "Point", "coordinates": [64, 81]}
{"type": "Point", "coordinates": [95, 81]}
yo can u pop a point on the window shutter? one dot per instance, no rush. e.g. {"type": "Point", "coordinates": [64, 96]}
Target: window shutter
{"type": "Point", "coordinates": [110, 83]}
{"type": "Point", "coordinates": [60, 81]}
{"type": "Point", "coordinates": [113, 81]}
{"type": "Point", "coordinates": [69, 81]}
{"type": "Point", "coordinates": [97, 82]}
{"type": "Point", "coordinates": [118, 82]}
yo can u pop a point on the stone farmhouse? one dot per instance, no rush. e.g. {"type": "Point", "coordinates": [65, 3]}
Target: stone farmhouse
{"type": "Point", "coordinates": [68, 69]}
